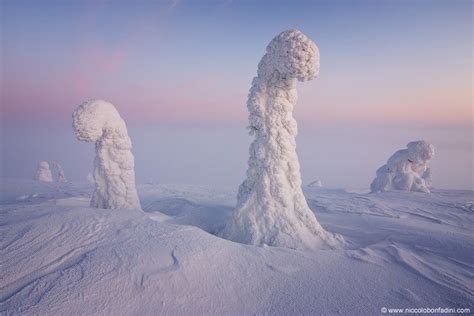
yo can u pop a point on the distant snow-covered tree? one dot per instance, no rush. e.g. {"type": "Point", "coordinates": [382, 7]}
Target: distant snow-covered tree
{"type": "Point", "coordinates": [43, 173]}
{"type": "Point", "coordinates": [60, 172]}
{"type": "Point", "coordinates": [407, 169]}
{"type": "Point", "coordinates": [271, 208]}
{"type": "Point", "coordinates": [98, 121]}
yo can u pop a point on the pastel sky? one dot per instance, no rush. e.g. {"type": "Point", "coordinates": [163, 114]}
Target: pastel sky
{"type": "Point", "coordinates": [189, 61]}
{"type": "Point", "coordinates": [179, 73]}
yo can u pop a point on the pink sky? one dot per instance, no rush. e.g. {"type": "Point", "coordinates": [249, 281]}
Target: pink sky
{"type": "Point", "coordinates": [166, 64]}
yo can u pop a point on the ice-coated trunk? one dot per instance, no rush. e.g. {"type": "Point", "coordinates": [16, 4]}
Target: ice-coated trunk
{"type": "Point", "coordinates": [114, 172]}
{"type": "Point", "coordinates": [273, 175]}
{"type": "Point", "coordinates": [271, 207]}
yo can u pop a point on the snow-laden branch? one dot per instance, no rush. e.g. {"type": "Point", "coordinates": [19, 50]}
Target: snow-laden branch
{"type": "Point", "coordinates": [407, 169]}
{"type": "Point", "coordinates": [98, 121]}
{"type": "Point", "coordinates": [271, 208]}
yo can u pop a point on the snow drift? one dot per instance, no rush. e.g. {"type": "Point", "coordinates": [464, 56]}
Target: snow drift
{"type": "Point", "coordinates": [98, 121]}
{"type": "Point", "coordinates": [43, 173]}
{"type": "Point", "coordinates": [61, 257]}
{"type": "Point", "coordinates": [407, 169]}
{"type": "Point", "coordinates": [316, 183]}
{"type": "Point", "coordinates": [271, 208]}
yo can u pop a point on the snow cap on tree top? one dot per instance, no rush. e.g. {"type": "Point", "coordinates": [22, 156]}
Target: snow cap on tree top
{"type": "Point", "coordinates": [420, 151]}
{"type": "Point", "coordinates": [293, 55]}
{"type": "Point", "coordinates": [93, 117]}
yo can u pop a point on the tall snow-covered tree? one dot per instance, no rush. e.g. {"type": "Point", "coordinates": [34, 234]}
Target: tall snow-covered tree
{"type": "Point", "coordinates": [271, 208]}
{"type": "Point", "coordinates": [98, 121]}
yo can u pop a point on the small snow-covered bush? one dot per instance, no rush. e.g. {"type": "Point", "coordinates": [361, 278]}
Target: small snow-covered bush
{"type": "Point", "coordinates": [407, 169]}
{"type": "Point", "coordinates": [43, 173]}
{"type": "Point", "coordinates": [271, 208]}
{"type": "Point", "coordinates": [98, 121]}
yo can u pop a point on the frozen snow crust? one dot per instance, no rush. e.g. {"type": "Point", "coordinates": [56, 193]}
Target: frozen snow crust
{"type": "Point", "coordinates": [407, 169]}
{"type": "Point", "coordinates": [98, 121]}
{"type": "Point", "coordinates": [271, 209]}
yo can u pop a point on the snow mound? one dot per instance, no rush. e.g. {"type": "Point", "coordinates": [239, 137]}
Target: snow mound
{"type": "Point", "coordinates": [407, 169]}
{"type": "Point", "coordinates": [271, 208]}
{"type": "Point", "coordinates": [43, 173]}
{"type": "Point", "coordinates": [98, 121]}
{"type": "Point", "coordinates": [316, 183]}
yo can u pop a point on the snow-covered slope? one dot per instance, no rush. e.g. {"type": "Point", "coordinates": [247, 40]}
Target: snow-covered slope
{"type": "Point", "coordinates": [60, 256]}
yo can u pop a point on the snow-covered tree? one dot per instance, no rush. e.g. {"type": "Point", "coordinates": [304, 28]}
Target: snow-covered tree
{"type": "Point", "coordinates": [271, 208]}
{"type": "Point", "coordinates": [43, 173]}
{"type": "Point", "coordinates": [98, 121]}
{"type": "Point", "coordinates": [60, 172]}
{"type": "Point", "coordinates": [406, 169]}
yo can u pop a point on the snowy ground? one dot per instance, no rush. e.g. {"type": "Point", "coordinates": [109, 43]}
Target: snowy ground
{"type": "Point", "coordinates": [59, 256]}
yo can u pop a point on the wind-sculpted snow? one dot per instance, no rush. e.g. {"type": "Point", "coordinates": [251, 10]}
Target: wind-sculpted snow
{"type": "Point", "coordinates": [43, 173]}
{"type": "Point", "coordinates": [60, 257]}
{"type": "Point", "coordinates": [271, 208]}
{"type": "Point", "coordinates": [99, 122]}
{"type": "Point", "coordinates": [406, 170]}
